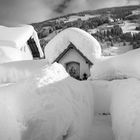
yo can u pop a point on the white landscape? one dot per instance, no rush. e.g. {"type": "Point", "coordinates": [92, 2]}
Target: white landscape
{"type": "Point", "coordinates": [40, 101]}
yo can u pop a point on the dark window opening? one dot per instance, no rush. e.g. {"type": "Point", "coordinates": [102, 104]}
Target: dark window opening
{"type": "Point", "coordinates": [33, 47]}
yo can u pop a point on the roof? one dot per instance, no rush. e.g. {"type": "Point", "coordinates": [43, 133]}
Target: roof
{"type": "Point", "coordinates": [82, 40]}
{"type": "Point", "coordinates": [17, 36]}
{"type": "Point", "coordinates": [71, 46]}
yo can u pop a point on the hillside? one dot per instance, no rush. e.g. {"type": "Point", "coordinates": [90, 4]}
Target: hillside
{"type": "Point", "coordinates": [112, 27]}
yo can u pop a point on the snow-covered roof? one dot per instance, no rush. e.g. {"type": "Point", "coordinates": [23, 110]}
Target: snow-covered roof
{"type": "Point", "coordinates": [17, 36]}
{"type": "Point", "coordinates": [82, 40]}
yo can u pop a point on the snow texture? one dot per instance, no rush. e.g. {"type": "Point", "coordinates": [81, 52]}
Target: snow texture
{"type": "Point", "coordinates": [117, 67]}
{"type": "Point", "coordinates": [102, 96]}
{"type": "Point", "coordinates": [82, 40]}
{"type": "Point", "coordinates": [48, 106]}
{"type": "Point", "coordinates": [8, 54]}
{"type": "Point", "coordinates": [13, 39]}
{"type": "Point", "coordinates": [15, 71]}
{"type": "Point", "coordinates": [125, 109]}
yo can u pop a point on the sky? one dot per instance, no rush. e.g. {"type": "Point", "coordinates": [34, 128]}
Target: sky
{"type": "Point", "coordinates": [14, 12]}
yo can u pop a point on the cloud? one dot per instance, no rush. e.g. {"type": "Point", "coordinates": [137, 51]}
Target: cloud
{"type": "Point", "coordinates": [13, 12]}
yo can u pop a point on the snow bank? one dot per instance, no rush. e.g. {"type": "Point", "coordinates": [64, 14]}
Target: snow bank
{"type": "Point", "coordinates": [102, 128]}
{"type": "Point", "coordinates": [122, 99]}
{"type": "Point", "coordinates": [102, 96]}
{"type": "Point", "coordinates": [9, 128]}
{"type": "Point", "coordinates": [117, 67]}
{"type": "Point", "coordinates": [43, 108]}
{"type": "Point", "coordinates": [83, 41]}
{"type": "Point", "coordinates": [16, 71]}
{"type": "Point", "coordinates": [8, 54]}
{"type": "Point", "coordinates": [125, 109]}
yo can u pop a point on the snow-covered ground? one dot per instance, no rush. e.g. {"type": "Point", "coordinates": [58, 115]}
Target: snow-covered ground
{"type": "Point", "coordinates": [125, 109]}
{"type": "Point", "coordinates": [116, 49]}
{"type": "Point", "coordinates": [48, 106]}
{"type": "Point", "coordinates": [40, 101]}
{"type": "Point", "coordinates": [115, 67]}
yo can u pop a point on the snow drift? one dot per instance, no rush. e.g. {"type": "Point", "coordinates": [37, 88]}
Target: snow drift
{"type": "Point", "coordinates": [117, 67]}
{"type": "Point", "coordinates": [121, 98]}
{"type": "Point", "coordinates": [15, 71]}
{"type": "Point", "coordinates": [102, 96]}
{"type": "Point", "coordinates": [49, 106]}
{"type": "Point", "coordinates": [125, 109]}
{"type": "Point", "coordinates": [8, 54]}
{"type": "Point", "coordinates": [82, 40]}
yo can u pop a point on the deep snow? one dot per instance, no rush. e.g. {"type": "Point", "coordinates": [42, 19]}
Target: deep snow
{"type": "Point", "coordinates": [47, 107]}
{"type": "Point", "coordinates": [48, 104]}
{"type": "Point", "coordinates": [125, 109]}
{"type": "Point", "coordinates": [18, 70]}
{"type": "Point", "coordinates": [117, 67]}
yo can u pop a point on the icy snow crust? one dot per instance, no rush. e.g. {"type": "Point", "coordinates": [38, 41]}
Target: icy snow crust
{"type": "Point", "coordinates": [82, 40]}
{"type": "Point", "coordinates": [117, 67]}
{"type": "Point", "coordinates": [49, 106]}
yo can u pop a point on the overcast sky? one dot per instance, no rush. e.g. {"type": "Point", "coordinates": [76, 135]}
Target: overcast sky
{"type": "Point", "coordinates": [13, 12]}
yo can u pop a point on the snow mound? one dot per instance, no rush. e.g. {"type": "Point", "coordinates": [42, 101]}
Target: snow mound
{"type": "Point", "coordinates": [15, 71]}
{"type": "Point", "coordinates": [51, 74]}
{"type": "Point", "coordinates": [44, 109]}
{"type": "Point", "coordinates": [82, 40]}
{"type": "Point", "coordinates": [125, 109]}
{"type": "Point", "coordinates": [117, 67]}
{"type": "Point", "coordinates": [9, 129]}
{"type": "Point", "coordinates": [102, 96]}
{"type": "Point", "coordinates": [8, 54]}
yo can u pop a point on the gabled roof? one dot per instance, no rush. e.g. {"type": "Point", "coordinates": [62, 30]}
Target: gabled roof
{"type": "Point", "coordinates": [82, 40]}
{"type": "Point", "coordinates": [71, 46]}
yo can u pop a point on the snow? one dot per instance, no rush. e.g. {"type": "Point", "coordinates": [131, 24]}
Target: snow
{"type": "Point", "coordinates": [125, 109]}
{"type": "Point", "coordinates": [15, 71]}
{"type": "Point", "coordinates": [117, 67]}
{"type": "Point", "coordinates": [82, 40]}
{"type": "Point", "coordinates": [17, 37]}
{"type": "Point", "coordinates": [122, 99]}
{"type": "Point", "coordinates": [102, 128]}
{"type": "Point", "coordinates": [40, 101]}
{"type": "Point", "coordinates": [102, 96]}
{"type": "Point", "coordinates": [116, 49]}
{"type": "Point", "coordinates": [116, 84]}
{"type": "Point", "coordinates": [8, 54]}
{"type": "Point", "coordinates": [47, 107]}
